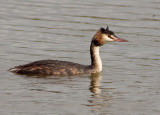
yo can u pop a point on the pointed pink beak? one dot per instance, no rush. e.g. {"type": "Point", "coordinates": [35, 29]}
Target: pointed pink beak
{"type": "Point", "coordinates": [118, 39]}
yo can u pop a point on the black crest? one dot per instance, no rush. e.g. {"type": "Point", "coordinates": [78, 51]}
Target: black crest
{"type": "Point", "coordinates": [107, 31]}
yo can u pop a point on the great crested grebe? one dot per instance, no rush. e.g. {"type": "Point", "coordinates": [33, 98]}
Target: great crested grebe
{"type": "Point", "coordinates": [59, 68]}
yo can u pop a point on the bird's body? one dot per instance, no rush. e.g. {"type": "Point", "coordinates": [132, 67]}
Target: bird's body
{"type": "Point", "coordinates": [56, 67]}
{"type": "Point", "coordinates": [51, 67]}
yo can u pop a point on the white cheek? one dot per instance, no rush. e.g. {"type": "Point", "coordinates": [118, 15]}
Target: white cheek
{"type": "Point", "coordinates": [107, 39]}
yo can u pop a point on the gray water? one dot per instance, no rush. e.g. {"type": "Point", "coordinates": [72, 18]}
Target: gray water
{"type": "Point", "coordinates": [33, 30]}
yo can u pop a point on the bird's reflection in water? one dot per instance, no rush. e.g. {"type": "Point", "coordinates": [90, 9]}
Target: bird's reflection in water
{"type": "Point", "coordinates": [95, 83]}
{"type": "Point", "coordinates": [100, 100]}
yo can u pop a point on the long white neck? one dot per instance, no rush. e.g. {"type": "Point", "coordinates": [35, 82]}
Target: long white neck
{"type": "Point", "coordinates": [96, 62]}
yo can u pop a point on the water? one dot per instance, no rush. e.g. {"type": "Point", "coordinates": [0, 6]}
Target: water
{"type": "Point", "coordinates": [46, 29]}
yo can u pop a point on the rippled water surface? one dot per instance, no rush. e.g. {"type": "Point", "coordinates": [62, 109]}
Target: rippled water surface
{"type": "Point", "coordinates": [62, 29]}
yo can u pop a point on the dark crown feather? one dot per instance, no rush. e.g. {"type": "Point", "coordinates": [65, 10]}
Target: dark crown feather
{"type": "Point", "coordinates": [107, 31]}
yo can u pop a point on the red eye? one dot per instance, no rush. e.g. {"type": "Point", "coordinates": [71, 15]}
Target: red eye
{"type": "Point", "coordinates": [109, 36]}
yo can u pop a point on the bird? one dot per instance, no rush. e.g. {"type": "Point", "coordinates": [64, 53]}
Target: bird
{"type": "Point", "coordinates": [66, 68]}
